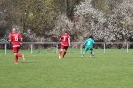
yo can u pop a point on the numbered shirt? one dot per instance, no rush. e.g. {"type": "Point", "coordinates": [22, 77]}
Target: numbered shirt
{"type": "Point", "coordinates": [89, 42]}
{"type": "Point", "coordinates": [64, 39]}
{"type": "Point", "coordinates": [15, 39]}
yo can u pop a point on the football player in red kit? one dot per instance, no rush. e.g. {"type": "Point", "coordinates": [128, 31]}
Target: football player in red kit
{"type": "Point", "coordinates": [15, 39]}
{"type": "Point", "coordinates": [65, 42]}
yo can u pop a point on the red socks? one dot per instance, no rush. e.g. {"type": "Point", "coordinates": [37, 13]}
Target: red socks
{"type": "Point", "coordinates": [64, 54]}
{"type": "Point", "coordinates": [16, 59]}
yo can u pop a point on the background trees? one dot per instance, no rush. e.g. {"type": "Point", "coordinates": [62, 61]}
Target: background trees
{"type": "Point", "coordinates": [45, 20]}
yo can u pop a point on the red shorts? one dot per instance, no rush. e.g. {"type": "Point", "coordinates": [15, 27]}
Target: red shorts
{"type": "Point", "coordinates": [64, 47]}
{"type": "Point", "coordinates": [16, 49]}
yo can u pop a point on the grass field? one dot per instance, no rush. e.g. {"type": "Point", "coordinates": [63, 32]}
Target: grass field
{"type": "Point", "coordinates": [113, 69]}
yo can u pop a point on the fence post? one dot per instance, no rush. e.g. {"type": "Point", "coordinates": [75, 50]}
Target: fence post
{"type": "Point", "coordinates": [104, 47]}
{"type": "Point", "coordinates": [31, 47]}
{"type": "Point", "coordinates": [127, 47]}
{"type": "Point", "coordinates": [56, 48]}
{"type": "Point", "coordinates": [5, 48]}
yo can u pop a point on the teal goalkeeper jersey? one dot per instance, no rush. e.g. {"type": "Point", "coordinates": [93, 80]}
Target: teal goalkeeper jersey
{"type": "Point", "coordinates": [89, 43]}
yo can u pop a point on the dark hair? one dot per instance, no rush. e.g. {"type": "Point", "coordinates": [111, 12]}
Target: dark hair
{"type": "Point", "coordinates": [91, 37]}
{"type": "Point", "coordinates": [66, 31]}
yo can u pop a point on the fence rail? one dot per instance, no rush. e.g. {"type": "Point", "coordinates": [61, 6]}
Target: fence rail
{"type": "Point", "coordinates": [103, 45]}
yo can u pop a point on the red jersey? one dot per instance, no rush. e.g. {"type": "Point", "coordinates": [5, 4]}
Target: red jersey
{"type": "Point", "coordinates": [15, 39]}
{"type": "Point", "coordinates": [64, 39]}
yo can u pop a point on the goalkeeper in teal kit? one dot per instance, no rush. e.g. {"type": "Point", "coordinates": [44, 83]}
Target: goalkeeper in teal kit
{"type": "Point", "coordinates": [89, 46]}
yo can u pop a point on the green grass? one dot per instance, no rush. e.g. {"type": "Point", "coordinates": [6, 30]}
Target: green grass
{"type": "Point", "coordinates": [113, 69]}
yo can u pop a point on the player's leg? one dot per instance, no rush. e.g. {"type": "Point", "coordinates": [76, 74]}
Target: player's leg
{"type": "Point", "coordinates": [60, 53]}
{"type": "Point", "coordinates": [15, 52]}
{"type": "Point", "coordinates": [16, 58]}
{"type": "Point", "coordinates": [65, 51]}
{"type": "Point", "coordinates": [91, 52]}
{"type": "Point", "coordinates": [61, 50]}
{"type": "Point", "coordinates": [86, 49]}
{"type": "Point", "coordinates": [20, 55]}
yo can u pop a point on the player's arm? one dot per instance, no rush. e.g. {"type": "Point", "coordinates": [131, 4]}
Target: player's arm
{"type": "Point", "coordinates": [20, 39]}
{"type": "Point", "coordinates": [84, 44]}
{"type": "Point", "coordinates": [93, 41]}
{"type": "Point", "coordinates": [10, 39]}
{"type": "Point", "coordinates": [69, 41]}
{"type": "Point", "coordinates": [10, 42]}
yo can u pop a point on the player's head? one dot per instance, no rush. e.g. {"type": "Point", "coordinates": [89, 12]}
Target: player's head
{"type": "Point", "coordinates": [91, 37]}
{"type": "Point", "coordinates": [14, 29]}
{"type": "Point", "coordinates": [66, 32]}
